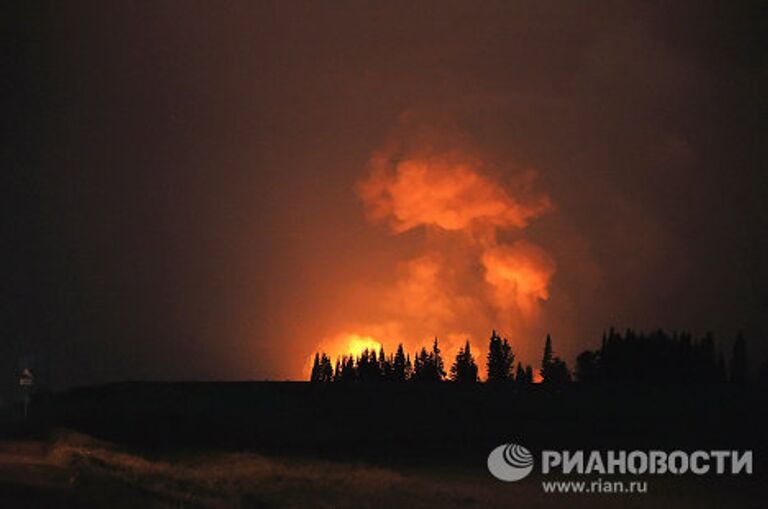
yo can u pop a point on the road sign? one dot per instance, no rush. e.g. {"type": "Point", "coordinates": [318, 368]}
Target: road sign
{"type": "Point", "coordinates": [26, 378]}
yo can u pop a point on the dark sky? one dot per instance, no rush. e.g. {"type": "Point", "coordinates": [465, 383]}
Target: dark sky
{"type": "Point", "coordinates": [178, 178]}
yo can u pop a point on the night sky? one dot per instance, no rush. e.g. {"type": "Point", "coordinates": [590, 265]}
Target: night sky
{"type": "Point", "coordinates": [184, 183]}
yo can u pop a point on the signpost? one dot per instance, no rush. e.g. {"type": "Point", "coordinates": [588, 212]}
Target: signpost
{"type": "Point", "coordinates": [26, 381]}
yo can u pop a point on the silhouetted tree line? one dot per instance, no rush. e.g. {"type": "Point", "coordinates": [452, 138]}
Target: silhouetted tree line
{"type": "Point", "coordinates": [428, 366]}
{"type": "Point", "coordinates": [629, 357]}
{"type": "Point", "coordinates": [659, 356]}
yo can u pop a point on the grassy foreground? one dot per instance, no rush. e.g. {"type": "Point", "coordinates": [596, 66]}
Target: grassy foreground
{"type": "Point", "coordinates": [74, 470]}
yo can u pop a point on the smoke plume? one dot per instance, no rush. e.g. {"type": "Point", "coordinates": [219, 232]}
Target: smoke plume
{"type": "Point", "coordinates": [465, 281]}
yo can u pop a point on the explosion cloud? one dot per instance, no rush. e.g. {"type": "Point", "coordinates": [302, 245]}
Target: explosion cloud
{"type": "Point", "coordinates": [444, 190]}
{"type": "Point", "coordinates": [465, 281]}
{"type": "Point", "coordinates": [519, 274]}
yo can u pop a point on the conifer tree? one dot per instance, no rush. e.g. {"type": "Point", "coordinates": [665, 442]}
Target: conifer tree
{"type": "Point", "coordinates": [399, 372]}
{"type": "Point", "coordinates": [408, 367]}
{"type": "Point", "coordinates": [315, 374]}
{"type": "Point", "coordinates": [464, 369]}
{"type": "Point", "coordinates": [326, 369]}
{"type": "Point", "coordinates": [500, 359]}
{"type": "Point", "coordinates": [385, 365]}
{"type": "Point", "coordinates": [348, 372]}
{"type": "Point", "coordinates": [739, 360]}
{"type": "Point", "coordinates": [588, 366]}
{"type": "Point", "coordinates": [546, 359]}
{"type": "Point", "coordinates": [528, 374]}
{"type": "Point", "coordinates": [557, 373]}
{"type": "Point", "coordinates": [428, 366]}
{"type": "Point", "coordinates": [437, 360]}
{"type": "Point", "coordinates": [520, 374]}
{"type": "Point", "coordinates": [420, 365]}
{"type": "Point", "coordinates": [722, 374]}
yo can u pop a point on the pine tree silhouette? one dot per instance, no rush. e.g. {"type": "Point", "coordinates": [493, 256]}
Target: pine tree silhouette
{"type": "Point", "coordinates": [553, 369]}
{"type": "Point", "coordinates": [705, 363]}
{"type": "Point", "coordinates": [368, 367]}
{"type": "Point", "coordinates": [326, 369]}
{"type": "Point", "coordinates": [348, 371]}
{"type": "Point", "coordinates": [315, 375]}
{"type": "Point", "coordinates": [520, 374]}
{"type": "Point", "coordinates": [464, 369]}
{"type": "Point", "coordinates": [739, 360]}
{"type": "Point", "coordinates": [322, 370]}
{"type": "Point", "coordinates": [428, 366]}
{"type": "Point", "coordinates": [420, 366]}
{"type": "Point", "coordinates": [399, 372]}
{"type": "Point", "coordinates": [528, 374]}
{"type": "Point", "coordinates": [546, 359]}
{"type": "Point", "coordinates": [408, 367]}
{"type": "Point", "coordinates": [385, 365]}
{"type": "Point", "coordinates": [500, 360]}
{"type": "Point", "coordinates": [722, 374]}
{"type": "Point", "coordinates": [439, 367]}
{"type": "Point", "coordinates": [588, 366]}
{"type": "Point", "coordinates": [558, 372]}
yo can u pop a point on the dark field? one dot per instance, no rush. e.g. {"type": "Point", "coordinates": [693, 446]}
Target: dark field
{"type": "Point", "coordinates": [267, 444]}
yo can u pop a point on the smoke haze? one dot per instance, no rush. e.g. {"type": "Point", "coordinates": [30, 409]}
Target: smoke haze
{"type": "Point", "coordinates": [199, 191]}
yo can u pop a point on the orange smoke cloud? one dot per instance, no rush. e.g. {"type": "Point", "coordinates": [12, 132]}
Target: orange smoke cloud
{"type": "Point", "coordinates": [519, 274]}
{"type": "Point", "coordinates": [446, 191]}
{"type": "Point", "coordinates": [427, 291]}
{"type": "Point", "coordinates": [465, 282]}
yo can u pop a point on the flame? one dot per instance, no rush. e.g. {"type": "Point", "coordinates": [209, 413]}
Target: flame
{"type": "Point", "coordinates": [347, 343]}
{"type": "Point", "coordinates": [356, 344]}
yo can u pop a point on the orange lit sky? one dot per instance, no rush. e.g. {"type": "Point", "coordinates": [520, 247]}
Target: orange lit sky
{"type": "Point", "coordinates": [204, 191]}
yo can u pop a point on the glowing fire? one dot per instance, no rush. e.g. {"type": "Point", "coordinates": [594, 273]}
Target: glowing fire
{"type": "Point", "coordinates": [347, 343]}
{"type": "Point", "coordinates": [475, 272]}
{"type": "Point", "coordinates": [356, 344]}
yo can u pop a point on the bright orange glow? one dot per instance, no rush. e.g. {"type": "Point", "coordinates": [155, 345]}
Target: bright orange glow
{"type": "Point", "coordinates": [344, 344]}
{"type": "Point", "coordinates": [475, 271]}
{"type": "Point", "coordinates": [519, 274]}
{"type": "Point", "coordinates": [446, 191]}
{"type": "Point", "coordinates": [356, 344]}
